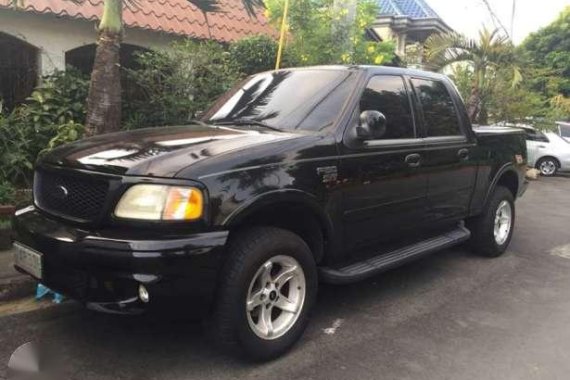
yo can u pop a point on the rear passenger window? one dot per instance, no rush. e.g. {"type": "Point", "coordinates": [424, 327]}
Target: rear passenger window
{"type": "Point", "coordinates": [440, 115]}
{"type": "Point", "coordinates": [533, 135]}
{"type": "Point", "coordinates": [387, 94]}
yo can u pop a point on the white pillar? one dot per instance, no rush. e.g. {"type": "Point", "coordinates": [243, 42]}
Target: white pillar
{"type": "Point", "coordinates": [51, 61]}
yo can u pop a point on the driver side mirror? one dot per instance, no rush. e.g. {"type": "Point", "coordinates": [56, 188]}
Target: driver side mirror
{"type": "Point", "coordinates": [372, 125]}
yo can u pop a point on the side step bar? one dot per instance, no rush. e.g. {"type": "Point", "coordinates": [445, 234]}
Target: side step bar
{"type": "Point", "coordinates": [370, 267]}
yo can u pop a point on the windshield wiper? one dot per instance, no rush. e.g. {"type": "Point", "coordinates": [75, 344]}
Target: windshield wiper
{"type": "Point", "coordinates": [247, 122]}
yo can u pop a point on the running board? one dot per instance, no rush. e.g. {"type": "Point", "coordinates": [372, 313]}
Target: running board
{"type": "Point", "coordinates": [369, 267]}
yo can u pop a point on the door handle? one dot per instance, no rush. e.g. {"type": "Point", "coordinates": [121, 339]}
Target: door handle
{"type": "Point", "coordinates": [541, 146]}
{"type": "Point", "coordinates": [413, 160]}
{"type": "Point", "coordinates": [463, 154]}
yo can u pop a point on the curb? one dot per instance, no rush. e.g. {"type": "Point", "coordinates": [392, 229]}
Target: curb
{"type": "Point", "coordinates": [16, 287]}
{"type": "Point", "coordinates": [13, 284]}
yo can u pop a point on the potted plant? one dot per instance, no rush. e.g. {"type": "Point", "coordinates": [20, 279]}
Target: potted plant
{"type": "Point", "coordinates": [6, 211]}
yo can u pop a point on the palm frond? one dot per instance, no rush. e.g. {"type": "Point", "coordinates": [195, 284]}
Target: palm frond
{"type": "Point", "coordinates": [444, 49]}
{"type": "Point", "coordinates": [206, 5]}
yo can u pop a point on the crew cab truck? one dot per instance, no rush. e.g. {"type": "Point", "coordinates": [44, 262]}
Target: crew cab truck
{"type": "Point", "coordinates": [330, 173]}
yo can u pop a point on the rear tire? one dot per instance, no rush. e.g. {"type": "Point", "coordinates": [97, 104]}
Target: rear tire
{"type": "Point", "coordinates": [491, 232]}
{"type": "Point", "coordinates": [268, 287]}
{"type": "Point", "coordinates": [547, 166]}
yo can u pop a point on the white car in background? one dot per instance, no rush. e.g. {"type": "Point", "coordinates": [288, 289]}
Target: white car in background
{"type": "Point", "coordinates": [563, 128]}
{"type": "Point", "coordinates": [547, 151]}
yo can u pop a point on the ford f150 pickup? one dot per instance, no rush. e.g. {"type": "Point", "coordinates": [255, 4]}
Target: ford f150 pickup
{"type": "Point", "coordinates": [330, 173]}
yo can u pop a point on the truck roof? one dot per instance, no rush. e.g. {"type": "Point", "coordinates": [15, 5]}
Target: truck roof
{"type": "Point", "coordinates": [387, 70]}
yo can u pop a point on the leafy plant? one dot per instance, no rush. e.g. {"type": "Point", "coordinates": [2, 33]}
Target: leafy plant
{"type": "Point", "coordinates": [15, 160]}
{"type": "Point", "coordinates": [51, 115]}
{"type": "Point", "coordinates": [7, 193]}
{"type": "Point", "coordinates": [329, 32]}
{"type": "Point", "coordinates": [484, 57]}
{"type": "Point", "coordinates": [177, 83]}
{"type": "Point", "coordinates": [5, 223]}
{"type": "Point", "coordinates": [256, 54]}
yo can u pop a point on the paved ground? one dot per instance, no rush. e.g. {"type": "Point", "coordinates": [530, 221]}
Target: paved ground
{"type": "Point", "coordinates": [449, 316]}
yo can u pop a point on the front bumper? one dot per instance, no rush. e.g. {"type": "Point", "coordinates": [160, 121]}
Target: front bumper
{"type": "Point", "coordinates": [105, 269]}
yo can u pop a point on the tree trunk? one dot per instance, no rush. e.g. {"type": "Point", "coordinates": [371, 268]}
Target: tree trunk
{"type": "Point", "coordinates": [104, 99]}
{"type": "Point", "coordinates": [474, 104]}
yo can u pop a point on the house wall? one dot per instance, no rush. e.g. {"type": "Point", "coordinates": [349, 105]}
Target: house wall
{"type": "Point", "coordinates": [53, 36]}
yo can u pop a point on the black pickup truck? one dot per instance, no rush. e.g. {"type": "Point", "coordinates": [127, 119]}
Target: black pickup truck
{"type": "Point", "coordinates": [294, 176]}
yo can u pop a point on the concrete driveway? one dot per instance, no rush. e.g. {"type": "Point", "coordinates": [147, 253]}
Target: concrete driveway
{"type": "Point", "coordinates": [449, 316]}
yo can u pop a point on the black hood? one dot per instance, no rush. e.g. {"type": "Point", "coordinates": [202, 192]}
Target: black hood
{"type": "Point", "coordinates": [158, 152]}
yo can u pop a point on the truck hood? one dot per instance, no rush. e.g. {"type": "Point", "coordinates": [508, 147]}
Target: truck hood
{"type": "Point", "coordinates": [157, 152]}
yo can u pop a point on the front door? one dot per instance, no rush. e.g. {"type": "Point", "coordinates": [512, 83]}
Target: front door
{"type": "Point", "coordinates": [449, 157]}
{"type": "Point", "coordinates": [383, 179]}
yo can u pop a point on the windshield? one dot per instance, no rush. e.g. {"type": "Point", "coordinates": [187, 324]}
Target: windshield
{"type": "Point", "coordinates": [286, 99]}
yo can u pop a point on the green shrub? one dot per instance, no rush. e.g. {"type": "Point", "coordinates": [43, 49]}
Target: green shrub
{"type": "Point", "coordinates": [7, 194]}
{"type": "Point", "coordinates": [52, 115]}
{"type": "Point", "coordinates": [5, 223]}
{"type": "Point", "coordinates": [15, 158]}
{"type": "Point", "coordinates": [59, 100]}
{"type": "Point", "coordinates": [257, 53]}
{"type": "Point", "coordinates": [176, 83]}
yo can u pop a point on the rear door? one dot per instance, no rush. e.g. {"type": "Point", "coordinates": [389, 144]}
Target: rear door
{"type": "Point", "coordinates": [536, 145]}
{"type": "Point", "coordinates": [449, 151]}
{"type": "Point", "coordinates": [383, 179]}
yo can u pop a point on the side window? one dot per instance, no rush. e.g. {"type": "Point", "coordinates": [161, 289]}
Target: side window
{"type": "Point", "coordinates": [387, 94]}
{"type": "Point", "coordinates": [440, 115]}
{"type": "Point", "coordinates": [532, 135]}
{"type": "Point", "coordinates": [565, 130]}
{"type": "Point", "coordinates": [541, 137]}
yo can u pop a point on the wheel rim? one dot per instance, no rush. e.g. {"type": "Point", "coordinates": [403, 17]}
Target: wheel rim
{"type": "Point", "coordinates": [275, 297]}
{"type": "Point", "coordinates": [547, 167]}
{"type": "Point", "coordinates": [503, 222]}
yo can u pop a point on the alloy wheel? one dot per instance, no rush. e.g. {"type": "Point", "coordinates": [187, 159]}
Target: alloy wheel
{"type": "Point", "coordinates": [503, 222]}
{"type": "Point", "coordinates": [275, 297]}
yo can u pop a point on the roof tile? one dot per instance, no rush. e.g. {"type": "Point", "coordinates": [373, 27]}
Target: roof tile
{"type": "Point", "coordinates": [179, 17]}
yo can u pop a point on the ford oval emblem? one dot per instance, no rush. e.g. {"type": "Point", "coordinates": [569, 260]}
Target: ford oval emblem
{"type": "Point", "coordinates": [61, 192]}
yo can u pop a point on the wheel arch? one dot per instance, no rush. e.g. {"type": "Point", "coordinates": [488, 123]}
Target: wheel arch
{"type": "Point", "coordinates": [293, 210]}
{"type": "Point", "coordinates": [508, 177]}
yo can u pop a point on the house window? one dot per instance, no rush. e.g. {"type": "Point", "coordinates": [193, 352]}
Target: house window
{"type": "Point", "coordinates": [18, 71]}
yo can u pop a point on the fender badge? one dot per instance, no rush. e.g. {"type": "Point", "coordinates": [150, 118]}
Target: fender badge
{"type": "Point", "coordinates": [329, 173]}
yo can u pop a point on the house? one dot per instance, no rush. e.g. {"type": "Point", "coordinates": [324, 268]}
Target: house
{"type": "Point", "coordinates": [409, 23]}
{"type": "Point", "coordinates": [41, 36]}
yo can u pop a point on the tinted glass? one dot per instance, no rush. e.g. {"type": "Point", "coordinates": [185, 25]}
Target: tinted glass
{"type": "Point", "coordinates": [284, 98]}
{"type": "Point", "coordinates": [565, 131]}
{"type": "Point", "coordinates": [388, 95]}
{"type": "Point", "coordinates": [440, 116]}
{"type": "Point", "coordinates": [533, 135]}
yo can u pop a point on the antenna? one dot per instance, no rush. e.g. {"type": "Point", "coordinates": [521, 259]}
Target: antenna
{"type": "Point", "coordinates": [495, 18]}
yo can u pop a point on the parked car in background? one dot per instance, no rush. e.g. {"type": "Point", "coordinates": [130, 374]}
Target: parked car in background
{"type": "Point", "coordinates": [547, 151]}
{"type": "Point", "coordinates": [563, 129]}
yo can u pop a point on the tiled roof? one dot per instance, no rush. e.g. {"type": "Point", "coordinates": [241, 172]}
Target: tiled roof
{"type": "Point", "coordinates": [231, 22]}
{"type": "Point", "coordinates": [415, 9]}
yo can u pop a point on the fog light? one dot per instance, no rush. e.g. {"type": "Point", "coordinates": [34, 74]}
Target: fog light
{"type": "Point", "coordinates": [143, 294]}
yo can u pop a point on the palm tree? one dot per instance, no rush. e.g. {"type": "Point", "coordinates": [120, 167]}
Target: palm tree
{"type": "Point", "coordinates": [485, 56]}
{"type": "Point", "coordinates": [104, 98]}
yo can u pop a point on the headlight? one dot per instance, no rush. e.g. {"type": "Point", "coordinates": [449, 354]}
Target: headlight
{"type": "Point", "coordinates": [159, 202]}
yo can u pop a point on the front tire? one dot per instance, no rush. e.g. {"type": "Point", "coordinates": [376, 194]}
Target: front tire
{"type": "Point", "coordinates": [491, 232]}
{"type": "Point", "coordinates": [268, 287]}
{"type": "Point", "coordinates": [547, 166]}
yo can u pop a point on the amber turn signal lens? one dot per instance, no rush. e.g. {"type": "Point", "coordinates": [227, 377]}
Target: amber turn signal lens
{"type": "Point", "coordinates": [183, 203]}
{"type": "Point", "coordinates": [160, 202]}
